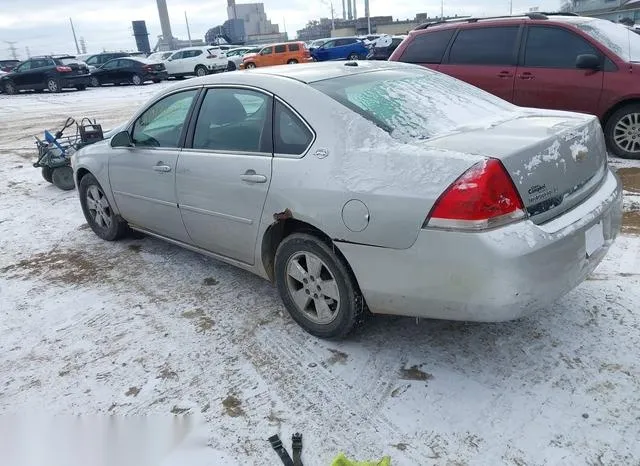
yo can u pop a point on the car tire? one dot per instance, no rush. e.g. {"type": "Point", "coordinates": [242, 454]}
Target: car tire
{"type": "Point", "coordinates": [9, 88]}
{"type": "Point", "coordinates": [201, 71]}
{"type": "Point", "coordinates": [156, 81]}
{"type": "Point", "coordinates": [298, 258]}
{"type": "Point", "coordinates": [53, 85]}
{"type": "Point", "coordinates": [292, 62]}
{"type": "Point", "coordinates": [95, 82]}
{"type": "Point", "coordinates": [353, 56]}
{"type": "Point", "coordinates": [47, 174]}
{"type": "Point", "coordinates": [231, 66]}
{"type": "Point", "coordinates": [250, 66]}
{"type": "Point", "coordinates": [81, 87]}
{"type": "Point", "coordinates": [103, 221]}
{"type": "Point", "coordinates": [622, 132]}
{"type": "Point", "coordinates": [62, 178]}
{"type": "Point", "coordinates": [136, 79]}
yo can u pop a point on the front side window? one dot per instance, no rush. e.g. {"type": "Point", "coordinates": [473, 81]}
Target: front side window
{"type": "Point", "coordinates": [177, 56]}
{"type": "Point", "coordinates": [550, 47]}
{"type": "Point", "coordinates": [428, 47]}
{"type": "Point", "coordinates": [26, 66]}
{"type": "Point", "coordinates": [291, 135]}
{"type": "Point", "coordinates": [485, 46]}
{"type": "Point", "coordinates": [110, 65]}
{"type": "Point", "coordinates": [92, 61]}
{"type": "Point", "coordinates": [329, 44]}
{"type": "Point", "coordinates": [161, 124]}
{"type": "Point", "coordinates": [266, 51]}
{"type": "Point", "coordinates": [235, 120]}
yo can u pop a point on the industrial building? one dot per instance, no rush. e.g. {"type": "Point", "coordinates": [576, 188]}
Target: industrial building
{"type": "Point", "coordinates": [613, 10]}
{"type": "Point", "coordinates": [247, 24]}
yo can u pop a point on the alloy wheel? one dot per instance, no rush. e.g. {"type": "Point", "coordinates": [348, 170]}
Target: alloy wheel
{"type": "Point", "coordinates": [201, 72]}
{"type": "Point", "coordinates": [137, 80]}
{"type": "Point", "coordinates": [98, 206]}
{"type": "Point", "coordinates": [626, 133]}
{"type": "Point", "coordinates": [313, 287]}
{"type": "Point", "coordinates": [95, 82]}
{"type": "Point", "coordinates": [52, 85]}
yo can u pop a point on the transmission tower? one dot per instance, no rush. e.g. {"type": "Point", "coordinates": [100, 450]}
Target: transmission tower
{"type": "Point", "coordinates": [26, 49]}
{"type": "Point", "coordinates": [12, 49]}
{"type": "Point", "coordinates": [83, 45]}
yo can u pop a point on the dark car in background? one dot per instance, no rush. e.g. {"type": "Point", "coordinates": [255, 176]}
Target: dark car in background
{"type": "Point", "coordinates": [382, 48]}
{"type": "Point", "coordinates": [99, 59]}
{"type": "Point", "coordinates": [550, 61]}
{"type": "Point", "coordinates": [8, 65]}
{"type": "Point", "coordinates": [129, 70]}
{"type": "Point", "coordinates": [47, 72]}
{"type": "Point", "coordinates": [340, 48]}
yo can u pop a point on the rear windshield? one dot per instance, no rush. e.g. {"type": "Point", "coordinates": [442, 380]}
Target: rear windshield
{"type": "Point", "coordinates": [416, 104]}
{"type": "Point", "coordinates": [70, 61]}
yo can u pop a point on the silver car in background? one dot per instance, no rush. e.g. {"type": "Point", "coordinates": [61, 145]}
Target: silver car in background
{"type": "Point", "coordinates": [369, 185]}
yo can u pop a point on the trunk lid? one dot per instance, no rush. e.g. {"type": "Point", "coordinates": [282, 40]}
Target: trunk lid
{"type": "Point", "coordinates": [555, 159]}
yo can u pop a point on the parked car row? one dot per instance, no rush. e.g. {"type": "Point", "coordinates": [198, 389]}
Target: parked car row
{"type": "Point", "coordinates": [46, 72]}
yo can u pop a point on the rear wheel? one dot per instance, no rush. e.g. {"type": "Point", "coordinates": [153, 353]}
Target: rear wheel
{"type": "Point", "coordinates": [53, 85]}
{"type": "Point", "coordinates": [136, 79]}
{"type": "Point", "coordinates": [200, 71]}
{"type": "Point", "coordinates": [10, 88]}
{"type": "Point", "coordinates": [81, 87]}
{"type": "Point", "coordinates": [353, 56]}
{"type": "Point", "coordinates": [622, 132]}
{"type": "Point", "coordinates": [62, 177]}
{"type": "Point", "coordinates": [156, 81]}
{"type": "Point", "coordinates": [250, 66]}
{"type": "Point", "coordinates": [316, 286]}
{"type": "Point", "coordinates": [292, 62]}
{"type": "Point", "coordinates": [95, 82]}
{"type": "Point", "coordinates": [46, 174]}
{"type": "Point", "coordinates": [98, 212]}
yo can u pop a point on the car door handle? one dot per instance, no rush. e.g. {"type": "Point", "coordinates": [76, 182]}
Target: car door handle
{"type": "Point", "coordinates": [162, 168]}
{"type": "Point", "coordinates": [505, 74]}
{"type": "Point", "coordinates": [526, 76]}
{"type": "Point", "coordinates": [250, 176]}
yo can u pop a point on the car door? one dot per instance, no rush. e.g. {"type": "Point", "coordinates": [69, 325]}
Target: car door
{"type": "Point", "coordinates": [485, 57]}
{"type": "Point", "coordinates": [125, 69]}
{"type": "Point", "coordinates": [266, 57]}
{"type": "Point", "coordinates": [143, 177]}
{"type": "Point", "coordinates": [108, 73]}
{"type": "Point", "coordinates": [280, 54]}
{"type": "Point", "coordinates": [173, 63]}
{"type": "Point", "coordinates": [223, 179]}
{"type": "Point", "coordinates": [21, 76]}
{"type": "Point", "coordinates": [547, 76]}
{"type": "Point", "coordinates": [323, 53]}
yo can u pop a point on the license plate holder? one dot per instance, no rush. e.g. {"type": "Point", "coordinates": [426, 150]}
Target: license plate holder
{"type": "Point", "coordinates": [594, 238]}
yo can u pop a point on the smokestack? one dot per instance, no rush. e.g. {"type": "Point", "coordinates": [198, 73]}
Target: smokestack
{"type": "Point", "coordinates": [344, 10]}
{"type": "Point", "coordinates": [355, 12]}
{"type": "Point", "coordinates": [232, 4]}
{"type": "Point", "coordinates": [349, 13]}
{"type": "Point", "coordinates": [164, 22]}
{"type": "Point", "coordinates": [366, 15]}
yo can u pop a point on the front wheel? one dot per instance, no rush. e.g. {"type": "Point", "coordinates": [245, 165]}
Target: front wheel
{"type": "Point", "coordinates": [53, 85]}
{"type": "Point", "coordinates": [98, 212]}
{"type": "Point", "coordinates": [292, 62]}
{"type": "Point", "coordinates": [622, 132]}
{"type": "Point", "coordinates": [10, 88]}
{"type": "Point", "coordinates": [250, 66]}
{"type": "Point", "coordinates": [47, 174]}
{"type": "Point", "coordinates": [81, 87]}
{"type": "Point", "coordinates": [136, 79]}
{"type": "Point", "coordinates": [316, 286]}
{"type": "Point", "coordinates": [95, 82]}
{"type": "Point", "coordinates": [353, 56]}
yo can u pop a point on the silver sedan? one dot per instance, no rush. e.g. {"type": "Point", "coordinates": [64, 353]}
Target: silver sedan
{"type": "Point", "coordinates": [363, 186]}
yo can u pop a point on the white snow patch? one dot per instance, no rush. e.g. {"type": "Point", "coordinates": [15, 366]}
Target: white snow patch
{"type": "Point", "coordinates": [550, 154]}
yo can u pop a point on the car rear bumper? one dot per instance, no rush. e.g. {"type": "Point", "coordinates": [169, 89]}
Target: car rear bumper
{"type": "Point", "coordinates": [73, 81]}
{"type": "Point", "coordinates": [156, 75]}
{"type": "Point", "coordinates": [488, 276]}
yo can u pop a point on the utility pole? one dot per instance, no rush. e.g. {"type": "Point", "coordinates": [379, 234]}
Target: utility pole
{"type": "Point", "coordinates": [75, 39]}
{"type": "Point", "coordinates": [12, 49]}
{"type": "Point", "coordinates": [26, 49]}
{"type": "Point", "coordinates": [441, 9]}
{"type": "Point", "coordinates": [188, 31]}
{"type": "Point", "coordinates": [510, 7]}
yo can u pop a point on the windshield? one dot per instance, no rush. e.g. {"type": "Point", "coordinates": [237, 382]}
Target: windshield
{"type": "Point", "coordinates": [616, 37]}
{"type": "Point", "coordinates": [416, 104]}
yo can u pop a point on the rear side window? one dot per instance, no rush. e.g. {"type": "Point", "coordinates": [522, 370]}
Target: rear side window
{"type": "Point", "coordinates": [549, 47]}
{"type": "Point", "coordinates": [280, 48]}
{"type": "Point", "coordinates": [294, 47]}
{"type": "Point", "coordinates": [427, 48]}
{"type": "Point", "coordinates": [485, 46]}
{"type": "Point", "coordinates": [291, 134]}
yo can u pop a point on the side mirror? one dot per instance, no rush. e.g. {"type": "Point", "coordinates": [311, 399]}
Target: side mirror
{"type": "Point", "coordinates": [122, 139]}
{"type": "Point", "coordinates": [588, 61]}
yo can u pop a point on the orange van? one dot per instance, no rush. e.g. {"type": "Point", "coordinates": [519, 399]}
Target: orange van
{"type": "Point", "coordinates": [277, 54]}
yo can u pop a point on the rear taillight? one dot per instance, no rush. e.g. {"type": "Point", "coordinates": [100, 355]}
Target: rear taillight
{"type": "Point", "coordinates": [212, 56]}
{"type": "Point", "coordinates": [147, 68]}
{"type": "Point", "coordinates": [483, 197]}
{"type": "Point", "coordinates": [64, 69]}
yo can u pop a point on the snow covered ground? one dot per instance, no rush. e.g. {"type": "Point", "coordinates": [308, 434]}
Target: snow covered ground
{"type": "Point", "coordinates": [142, 327]}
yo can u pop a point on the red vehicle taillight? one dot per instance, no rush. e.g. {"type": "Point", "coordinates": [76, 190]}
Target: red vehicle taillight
{"type": "Point", "coordinates": [212, 56]}
{"type": "Point", "coordinates": [147, 68]}
{"type": "Point", "coordinates": [483, 197]}
{"type": "Point", "coordinates": [64, 69]}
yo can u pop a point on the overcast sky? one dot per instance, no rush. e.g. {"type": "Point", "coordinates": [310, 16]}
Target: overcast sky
{"type": "Point", "coordinates": [43, 25]}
